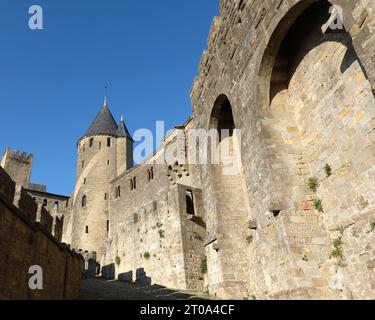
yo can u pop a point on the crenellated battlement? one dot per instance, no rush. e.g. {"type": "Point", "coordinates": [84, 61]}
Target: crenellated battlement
{"type": "Point", "coordinates": [18, 155]}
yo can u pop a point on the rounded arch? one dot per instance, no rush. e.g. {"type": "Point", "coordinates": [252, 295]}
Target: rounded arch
{"type": "Point", "coordinates": [227, 220]}
{"type": "Point", "coordinates": [301, 79]}
{"type": "Point", "coordinates": [222, 118]}
{"type": "Point", "coordinates": [222, 114]}
{"type": "Point", "coordinates": [305, 9]}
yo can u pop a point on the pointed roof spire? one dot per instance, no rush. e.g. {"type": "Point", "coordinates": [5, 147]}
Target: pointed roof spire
{"type": "Point", "coordinates": [104, 124]}
{"type": "Point", "coordinates": [105, 96]}
{"type": "Point", "coordinates": [122, 130]}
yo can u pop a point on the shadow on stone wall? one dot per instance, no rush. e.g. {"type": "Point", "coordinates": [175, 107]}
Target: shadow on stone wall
{"type": "Point", "coordinates": [141, 279]}
{"type": "Point", "coordinates": [26, 242]}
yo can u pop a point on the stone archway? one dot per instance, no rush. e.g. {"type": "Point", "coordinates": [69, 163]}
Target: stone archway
{"type": "Point", "coordinates": [228, 255]}
{"type": "Point", "coordinates": [297, 46]}
{"type": "Point", "coordinates": [316, 106]}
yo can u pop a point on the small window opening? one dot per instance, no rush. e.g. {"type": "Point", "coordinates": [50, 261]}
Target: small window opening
{"type": "Point", "coordinates": [276, 213]}
{"type": "Point", "coordinates": [133, 183]}
{"type": "Point", "coordinates": [150, 174]}
{"type": "Point", "coordinates": [118, 192]}
{"type": "Point", "coordinates": [84, 201]}
{"type": "Point", "coordinates": [189, 202]}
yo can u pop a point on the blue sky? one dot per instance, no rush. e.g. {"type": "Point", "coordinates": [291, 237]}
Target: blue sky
{"type": "Point", "coordinates": [52, 80]}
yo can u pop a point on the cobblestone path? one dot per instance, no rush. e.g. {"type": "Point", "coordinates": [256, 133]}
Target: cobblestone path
{"type": "Point", "coordinates": [98, 289]}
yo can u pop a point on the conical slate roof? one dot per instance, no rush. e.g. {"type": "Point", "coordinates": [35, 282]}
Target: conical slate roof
{"type": "Point", "coordinates": [122, 130]}
{"type": "Point", "coordinates": [104, 124]}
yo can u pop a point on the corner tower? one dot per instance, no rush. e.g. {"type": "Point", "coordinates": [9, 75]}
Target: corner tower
{"type": "Point", "coordinates": [104, 149]}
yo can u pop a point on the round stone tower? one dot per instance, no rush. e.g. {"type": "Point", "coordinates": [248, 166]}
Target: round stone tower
{"type": "Point", "coordinates": [103, 152]}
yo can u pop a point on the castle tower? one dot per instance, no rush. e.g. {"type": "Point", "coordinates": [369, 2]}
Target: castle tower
{"type": "Point", "coordinates": [102, 151]}
{"type": "Point", "coordinates": [18, 166]}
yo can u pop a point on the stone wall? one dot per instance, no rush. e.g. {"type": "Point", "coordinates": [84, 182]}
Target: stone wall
{"type": "Point", "coordinates": [25, 243]}
{"type": "Point", "coordinates": [293, 124]}
{"type": "Point", "coordinates": [304, 102]}
{"type": "Point", "coordinates": [151, 235]}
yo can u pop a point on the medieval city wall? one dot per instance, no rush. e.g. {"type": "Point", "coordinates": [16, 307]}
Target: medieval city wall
{"type": "Point", "coordinates": [25, 243]}
{"type": "Point", "coordinates": [324, 116]}
{"type": "Point", "coordinates": [152, 238]}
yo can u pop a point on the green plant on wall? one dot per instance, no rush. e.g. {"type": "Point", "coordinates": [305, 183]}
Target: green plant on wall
{"type": "Point", "coordinates": [197, 236]}
{"type": "Point", "coordinates": [372, 226]}
{"type": "Point", "coordinates": [161, 234]}
{"type": "Point", "coordinates": [203, 264]}
{"type": "Point", "coordinates": [147, 255]}
{"type": "Point", "coordinates": [159, 225]}
{"type": "Point", "coordinates": [313, 184]}
{"type": "Point", "coordinates": [249, 239]}
{"type": "Point", "coordinates": [318, 205]}
{"type": "Point", "coordinates": [338, 251]}
{"type": "Point", "coordinates": [328, 170]}
{"type": "Point", "coordinates": [118, 260]}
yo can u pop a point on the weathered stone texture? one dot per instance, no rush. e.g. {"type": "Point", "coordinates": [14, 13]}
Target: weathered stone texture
{"type": "Point", "coordinates": [25, 243]}
{"type": "Point", "coordinates": [304, 104]}
{"type": "Point", "coordinates": [322, 113]}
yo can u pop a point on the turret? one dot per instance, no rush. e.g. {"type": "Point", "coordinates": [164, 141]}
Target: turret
{"type": "Point", "coordinates": [103, 152]}
{"type": "Point", "coordinates": [124, 148]}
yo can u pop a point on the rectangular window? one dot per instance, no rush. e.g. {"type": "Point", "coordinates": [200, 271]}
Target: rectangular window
{"type": "Point", "coordinates": [108, 142]}
{"type": "Point", "coordinates": [107, 225]}
{"type": "Point", "coordinates": [133, 183]}
{"type": "Point", "coordinates": [87, 229]}
{"type": "Point", "coordinates": [189, 202]}
{"type": "Point", "coordinates": [136, 218]}
{"type": "Point", "coordinates": [118, 192]}
{"type": "Point", "coordinates": [150, 174]}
